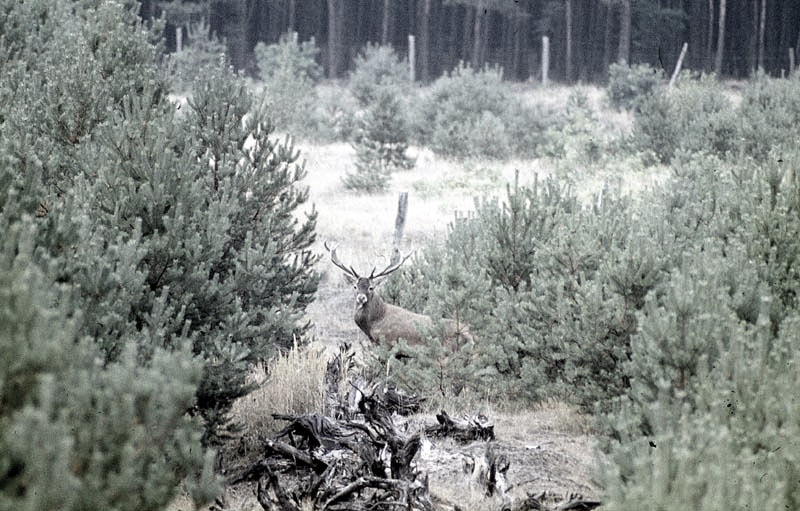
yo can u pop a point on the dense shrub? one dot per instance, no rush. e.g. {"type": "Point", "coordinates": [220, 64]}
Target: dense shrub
{"type": "Point", "coordinates": [695, 117]}
{"type": "Point", "coordinates": [628, 86]}
{"type": "Point", "coordinates": [101, 431]}
{"type": "Point", "coordinates": [526, 274]}
{"type": "Point", "coordinates": [172, 244]}
{"type": "Point", "coordinates": [201, 50]}
{"type": "Point", "coordinates": [463, 114]}
{"type": "Point", "coordinates": [769, 114]}
{"type": "Point", "coordinates": [108, 435]}
{"type": "Point", "coordinates": [579, 139]}
{"type": "Point", "coordinates": [531, 127]}
{"type": "Point", "coordinates": [289, 71]}
{"type": "Point", "coordinates": [377, 68]}
{"type": "Point", "coordinates": [708, 366]}
{"type": "Point", "coordinates": [470, 113]}
{"type": "Point", "coordinates": [381, 133]}
{"type": "Point", "coordinates": [675, 319]}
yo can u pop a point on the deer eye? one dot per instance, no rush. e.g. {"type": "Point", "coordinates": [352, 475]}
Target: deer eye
{"type": "Point", "coordinates": [371, 288]}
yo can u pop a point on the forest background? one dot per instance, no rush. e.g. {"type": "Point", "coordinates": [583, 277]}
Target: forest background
{"type": "Point", "coordinates": [730, 37]}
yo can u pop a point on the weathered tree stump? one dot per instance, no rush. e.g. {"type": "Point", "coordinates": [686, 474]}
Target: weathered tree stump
{"type": "Point", "coordinates": [360, 455]}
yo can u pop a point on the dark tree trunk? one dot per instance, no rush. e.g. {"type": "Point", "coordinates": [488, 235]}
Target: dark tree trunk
{"type": "Point", "coordinates": [624, 48]}
{"type": "Point", "coordinates": [762, 23]}
{"type": "Point", "coordinates": [477, 34]}
{"type": "Point", "coordinates": [386, 16]}
{"type": "Point", "coordinates": [518, 42]}
{"type": "Point", "coordinates": [709, 36]}
{"type": "Point", "coordinates": [335, 46]}
{"type": "Point", "coordinates": [607, 40]}
{"type": "Point", "coordinates": [425, 41]}
{"type": "Point", "coordinates": [568, 72]}
{"type": "Point", "coordinates": [720, 39]}
{"type": "Point", "coordinates": [292, 15]}
{"type": "Point", "coordinates": [469, 20]}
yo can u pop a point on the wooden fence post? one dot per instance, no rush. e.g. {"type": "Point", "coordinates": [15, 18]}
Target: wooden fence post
{"type": "Point", "coordinates": [678, 66]}
{"type": "Point", "coordinates": [412, 59]}
{"type": "Point", "coordinates": [545, 58]}
{"type": "Point", "coordinates": [399, 226]}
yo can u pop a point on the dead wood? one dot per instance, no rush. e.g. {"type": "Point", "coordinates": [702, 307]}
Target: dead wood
{"type": "Point", "coordinates": [361, 456]}
{"type": "Point", "coordinates": [468, 429]}
{"type": "Point", "coordinates": [360, 461]}
{"type": "Point", "coordinates": [539, 502]}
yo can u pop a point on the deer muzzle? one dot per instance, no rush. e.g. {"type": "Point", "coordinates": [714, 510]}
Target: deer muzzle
{"type": "Point", "coordinates": [361, 300]}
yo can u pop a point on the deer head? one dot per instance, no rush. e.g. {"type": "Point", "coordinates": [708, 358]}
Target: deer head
{"type": "Point", "coordinates": [365, 286]}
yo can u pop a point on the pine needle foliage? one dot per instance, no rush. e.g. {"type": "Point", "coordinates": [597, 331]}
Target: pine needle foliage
{"type": "Point", "coordinates": [381, 133]}
{"type": "Point", "coordinates": [76, 433]}
{"type": "Point", "coordinates": [289, 71]}
{"type": "Point", "coordinates": [151, 255]}
{"type": "Point", "coordinates": [201, 50]}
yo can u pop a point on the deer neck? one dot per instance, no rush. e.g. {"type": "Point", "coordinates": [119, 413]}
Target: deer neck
{"type": "Point", "coordinates": [374, 310]}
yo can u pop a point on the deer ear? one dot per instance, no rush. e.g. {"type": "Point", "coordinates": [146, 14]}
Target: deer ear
{"type": "Point", "coordinates": [350, 278]}
{"type": "Point", "coordinates": [376, 282]}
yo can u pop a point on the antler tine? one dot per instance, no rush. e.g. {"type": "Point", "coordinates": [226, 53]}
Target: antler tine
{"type": "Point", "coordinates": [392, 267]}
{"type": "Point", "coordinates": [335, 260]}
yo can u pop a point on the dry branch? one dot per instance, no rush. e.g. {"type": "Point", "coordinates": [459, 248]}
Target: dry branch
{"type": "Point", "coordinates": [362, 459]}
{"type": "Point", "coordinates": [468, 429]}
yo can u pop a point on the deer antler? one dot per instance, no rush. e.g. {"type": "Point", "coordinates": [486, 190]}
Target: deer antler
{"type": "Point", "coordinates": [335, 260]}
{"type": "Point", "coordinates": [392, 267]}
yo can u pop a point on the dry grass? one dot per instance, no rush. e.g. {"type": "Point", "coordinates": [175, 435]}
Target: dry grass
{"type": "Point", "coordinates": [292, 383]}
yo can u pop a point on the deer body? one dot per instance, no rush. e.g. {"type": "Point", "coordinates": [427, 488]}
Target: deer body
{"type": "Point", "coordinates": [381, 321]}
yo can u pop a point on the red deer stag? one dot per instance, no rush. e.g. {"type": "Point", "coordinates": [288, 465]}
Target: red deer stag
{"type": "Point", "coordinates": [390, 323]}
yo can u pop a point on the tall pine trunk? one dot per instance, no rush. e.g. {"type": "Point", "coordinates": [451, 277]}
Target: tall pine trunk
{"type": "Point", "coordinates": [624, 49]}
{"type": "Point", "coordinates": [477, 33]}
{"type": "Point", "coordinates": [386, 14]}
{"type": "Point", "coordinates": [607, 40]}
{"type": "Point", "coordinates": [709, 36]}
{"type": "Point", "coordinates": [466, 46]}
{"type": "Point", "coordinates": [334, 38]}
{"type": "Point", "coordinates": [720, 39]}
{"type": "Point", "coordinates": [762, 24]}
{"type": "Point", "coordinates": [425, 41]}
{"type": "Point", "coordinates": [568, 50]}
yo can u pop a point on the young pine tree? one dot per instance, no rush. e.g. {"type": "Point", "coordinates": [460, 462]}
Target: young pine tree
{"type": "Point", "coordinates": [76, 433]}
{"type": "Point", "coordinates": [381, 135]}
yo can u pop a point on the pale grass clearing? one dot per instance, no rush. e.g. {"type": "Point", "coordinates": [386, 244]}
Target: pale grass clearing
{"type": "Point", "coordinates": [439, 189]}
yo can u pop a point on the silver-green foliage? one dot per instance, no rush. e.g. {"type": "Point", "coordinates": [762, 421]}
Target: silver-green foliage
{"type": "Point", "coordinates": [289, 71]}
{"type": "Point", "coordinates": [201, 50]}
{"type": "Point", "coordinates": [474, 113]}
{"type": "Point", "coordinates": [171, 238]}
{"type": "Point", "coordinates": [628, 85]}
{"type": "Point", "coordinates": [711, 418]}
{"type": "Point", "coordinates": [76, 433]}
{"type": "Point", "coordinates": [381, 131]}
